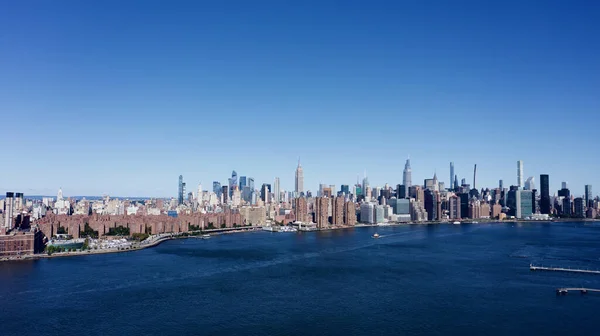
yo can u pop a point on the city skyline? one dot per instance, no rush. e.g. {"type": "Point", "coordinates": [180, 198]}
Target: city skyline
{"type": "Point", "coordinates": [96, 104]}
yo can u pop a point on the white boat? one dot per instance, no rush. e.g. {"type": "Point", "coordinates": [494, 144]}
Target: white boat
{"type": "Point", "coordinates": [376, 235]}
{"type": "Point", "coordinates": [269, 228]}
{"type": "Point", "coordinates": [456, 223]}
{"type": "Point", "coordinates": [205, 236]}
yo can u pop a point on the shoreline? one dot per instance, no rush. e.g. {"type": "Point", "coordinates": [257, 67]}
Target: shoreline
{"type": "Point", "coordinates": [172, 237]}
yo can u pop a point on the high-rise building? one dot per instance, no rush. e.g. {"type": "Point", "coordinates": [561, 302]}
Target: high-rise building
{"type": "Point", "coordinates": [265, 191]}
{"type": "Point", "coordinates": [530, 183]}
{"type": "Point", "coordinates": [520, 174]}
{"type": "Point", "coordinates": [451, 174]}
{"type": "Point", "coordinates": [276, 191]}
{"type": "Point", "coordinates": [432, 205]}
{"type": "Point", "coordinates": [217, 188]}
{"type": "Point", "coordinates": [349, 213]}
{"type": "Point", "coordinates": [579, 206]}
{"type": "Point", "coordinates": [501, 184]}
{"type": "Point", "coordinates": [345, 189]}
{"type": "Point", "coordinates": [242, 182]}
{"type": "Point", "coordinates": [379, 214]}
{"type": "Point", "coordinates": [181, 191]}
{"type": "Point", "coordinates": [225, 194]}
{"type": "Point", "coordinates": [407, 175]}
{"type": "Point", "coordinates": [366, 186]}
{"type": "Point", "coordinates": [545, 194]}
{"type": "Point", "coordinates": [367, 214]}
{"type": "Point", "coordinates": [589, 197]}
{"type": "Point", "coordinates": [233, 182]}
{"type": "Point", "coordinates": [322, 212]}
{"type": "Point", "coordinates": [251, 183]}
{"type": "Point", "coordinates": [299, 179]}
{"type": "Point", "coordinates": [523, 202]}
{"type": "Point", "coordinates": [8, 210]}
{"type": "Point", "coordinates": [338, 211]}
{"type": "Point", "coordinates": [301, 210]}
{"type": "Point", "coordinates": [564, 185]}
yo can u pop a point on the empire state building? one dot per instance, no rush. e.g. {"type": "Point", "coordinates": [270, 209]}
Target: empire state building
{"type": "Point", "coordinates": [299, 179]}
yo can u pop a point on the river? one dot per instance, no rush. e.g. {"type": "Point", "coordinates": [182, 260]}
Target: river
{"type": "Point", "coordinates": [416, 279]}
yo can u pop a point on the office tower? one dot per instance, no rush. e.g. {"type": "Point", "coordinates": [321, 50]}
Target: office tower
{"type": "Point", "coordinates": [233, 182]}
{"type": "Point", "coordinates": [407, 175]}
{"type": "Point", "coordinates": [8, 210]}
{"type": "Point", "coordinates": [217, 188]}
{"type": "Point", "coordinates": [367, 214]}
{"type": "Point", "coordinates": [301, 210]}
{"type": "Point", "coordinates": [18, 202]}
{"type": "Point", "coordinates": [322, 212]}
{"type": "Point", "coordinates": [530, 183]}
{"type": "Point", "coordinates": [511, 201]}
{"type": "Point", "coordinates": [428, 184]}
{"type": "Point", "coordinates": [242, 182]}
{"type": "Point", "coordinates": [564, 185]}
{"type": "Point", "coordinates": [566, 206]}
{"type": "Point", "coordinates": [589, 198]}
{"type": "Point", "coordinates": [455, 183]}
{"type": "Point", "coordinates": [534, 208]}
{"type": "Point", "coordinates": [523, 203]}
{"type": "Point", "coordinates": [345, 189]}
{"type": "Point", "coordinates": [181, 190]}
{"type": "Point", "coordinates": [276, 191]}
{"type": "Point", "coordinates": [379, 214]}
{"type": "Point", "coordinates": [299, 179]}
{"type": "Point", "coordinates": [338, 211]}
{"type": "Point", "coordinates": [464, 204]}
{"type": "Point", "coordinates": [349, 213]}
{"type": "Point", "coordinates": [401, 191]}
{"type": "Point", "coordinates": [251, 183]}
{"type": "Point", "coordinates": [501, 184]}
{"type": "Point", "coordinates": [225, 194]}
{"type": "Point", "coordinates": [463, 182]}
{"type": "Point", "coordinates": [59, 195]}
{"type": "Point", "coordinates": [544, 194]}
{"type": "Point", "coordinates": [474, 176]}
{"type": "Point", "coordinates": [520, 174]}
{"type": "Point", "coordinates": [451, 174]}
{"type": "Point", "coordinates": [365, 185]}
{"type": "Point", "coordinates": [199, 193]}
{"type": "Point", "coordinates": [579, 207]}
{"type": "Point", "coordinates": [432, 205]}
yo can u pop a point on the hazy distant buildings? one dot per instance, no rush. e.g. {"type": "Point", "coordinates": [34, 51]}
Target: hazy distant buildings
{"type": "Point", "coordinates": [217, 188]}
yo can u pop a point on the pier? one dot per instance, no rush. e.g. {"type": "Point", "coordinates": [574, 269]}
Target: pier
{"type": "Point", "coordinates": [562, 269]}
{"type": "Point", "coordinates": [564, 291]}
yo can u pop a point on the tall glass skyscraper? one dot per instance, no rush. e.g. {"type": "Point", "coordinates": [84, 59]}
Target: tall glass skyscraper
{"type": "Point", "coordinates": [217, 188]}
{"type": "Point", "coordinates": [588, 194]}
{"type": "Point", "coordinates": [545, 194]}
{"type": "Point", "coordinates": [242, 182]}
{"type": "Point", "coordinates": [181, 190]}
{"type": "Point", "coordinates": [451, 174]}
{"type": "Point", "coordinates": [407, 176]}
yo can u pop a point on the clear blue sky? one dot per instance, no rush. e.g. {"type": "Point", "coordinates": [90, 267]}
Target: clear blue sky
{"type": "Point", "coordinates": [121, 97]}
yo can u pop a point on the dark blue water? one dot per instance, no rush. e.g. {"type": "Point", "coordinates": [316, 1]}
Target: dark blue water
{"type": "Point", "coordinates": [435, 279]}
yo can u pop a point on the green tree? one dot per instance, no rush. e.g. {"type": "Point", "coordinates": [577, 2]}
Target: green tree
{"type": "Point", "coordinates": [223, 226]}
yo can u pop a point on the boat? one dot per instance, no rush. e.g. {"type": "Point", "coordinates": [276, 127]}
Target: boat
{"type": "Point", "coordinates": [376, 235]}
{"type": "Point", "coordinates": [456, 223]}
{"type": "Point", "coordinates": [205, 236]}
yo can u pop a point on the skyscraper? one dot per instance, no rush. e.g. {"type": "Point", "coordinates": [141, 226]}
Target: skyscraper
{"type": "Point", "coordinates": [520, 174]}
{"type": "Point", "coordinates": [299, 179]}
{"type": "Point", "coordinates": [233, 182]}
{"type": "Point", "coordinates": [365, 184]}
{"type": "Point", "coordinates": [181, 190]}
{"type": "Point", "coordinates": [276, 191]}
{"type": "Point", "coordinates": [8, 210]}
{"type": "Point", "coordinates": [217, 188]}
{"type": "Point", "coordinates": [530, 183]}
{"type": "Point", "coordinates": [407, 175]}
{"type": "Point", "coordinates": [242, 182]}
{"type": "Point", "coordinates": [251, 183]}
{"type": "Point", "coordinates": [544, 194]}
{"type": "Point", "coordinates": [451, 174]}
{"type": "Point", "coordinates": [588, 195]}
